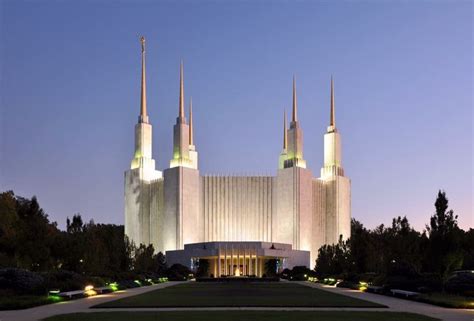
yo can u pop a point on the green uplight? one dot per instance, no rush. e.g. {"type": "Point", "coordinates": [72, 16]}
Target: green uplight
{"type": "Point", "coordinates": [114, 286]}
{"type": "Point", "coordinates": [54, 298]}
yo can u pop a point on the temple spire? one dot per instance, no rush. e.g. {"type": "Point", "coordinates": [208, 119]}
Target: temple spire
{"type": "Point", "coordinates": [143, 114]}
{"type": "Point", "coordinates": [285, 137]}
{"type": "Point", "coordinates": [181, 93]}
{"type": "Point", "coordinates": [332, 121]}
{"type": "Point", "coordinates": [191, 136]}
{"type": "Point", "coordinates": [294, 117]}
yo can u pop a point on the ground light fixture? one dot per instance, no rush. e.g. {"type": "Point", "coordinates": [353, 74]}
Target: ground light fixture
{"type": "Point", "coordinates": [363, 286]}
{"type": "Point", "coordinates": [114, 286]}
{"type": "Point", "coordinates": [89, 290]}
{"type": "Point", "coordinates": [53, 295]}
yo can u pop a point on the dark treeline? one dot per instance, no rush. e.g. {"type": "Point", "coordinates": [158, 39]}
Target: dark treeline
{"type": "Point", "coordinates": [28, 240]}
{"type": "Point", "coordinates": [402, 253]}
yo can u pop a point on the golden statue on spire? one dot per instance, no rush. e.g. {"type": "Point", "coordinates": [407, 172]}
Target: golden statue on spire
{"type": "Point", "coordinates": [142, 40]}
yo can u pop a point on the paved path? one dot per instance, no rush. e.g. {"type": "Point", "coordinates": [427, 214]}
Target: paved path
{"type": "Point", "coordinates": [401, 305]}
{"type": "Point", "coordinates": [80, 305]}
{"type": "Point", "coordinates": [83, 305]}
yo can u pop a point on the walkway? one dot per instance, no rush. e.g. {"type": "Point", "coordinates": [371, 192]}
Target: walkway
{"type": "Point", "coordinates": [80, 305]}
{"type": "Point", "coordinates": [401, 305]}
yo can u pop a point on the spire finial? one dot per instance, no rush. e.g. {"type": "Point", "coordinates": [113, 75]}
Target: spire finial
{"type": "Point", "coordinates": [332, 120]}
{"type": "Point", "coordinates": [181, 92]}
{"type": "Point", "coordinates": [285, 137]}
{"type": "Point", "coordinates": [143, 113]}
{"type": "Point", "coordinates": [294, 117]}
{"type": "Point", "coordinates": [191, 135]}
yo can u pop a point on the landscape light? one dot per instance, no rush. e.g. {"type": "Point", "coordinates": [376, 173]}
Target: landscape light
{"type": "Point", "coordinates": [113, 286]}
{"type": "Point", "coordinates": [53, 295]}
{"type": "Point", "coordinates": [89, 290]}
{"type": "Point", "coordinates": [363, 286]}
{"type": "Point", "coordinates": [138, 282]}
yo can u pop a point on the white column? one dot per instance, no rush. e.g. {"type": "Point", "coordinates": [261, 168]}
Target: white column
{"type": "Point", "coordinates": [238, 259]}
{"type": "Point", "coordinates": [231, 260]}
{"type": "Point", "coordinates": [219, 261]}
{"type": "Point", "coordinates": [256, 263]}
{"type": "Point", "coordinates": [245, 261]}
{"type": "Point", "coordinates": [250, 261]}
{"type": "Point", "coordinates": [225, 260]}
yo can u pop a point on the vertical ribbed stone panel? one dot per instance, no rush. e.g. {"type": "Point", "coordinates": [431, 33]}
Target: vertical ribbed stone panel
{"type": "Point", "coordinates": [181, 207]}
{"type": "Point", "coordinates": [138, 200]}
{"type": "Point", "coordinates": [157, 215]}
{"type": "Point", "coordinates": [338, 209]}
{"type": "Point", "coordinates": [319, 218]}
{"type": "Point", "coordinates": [237, 208]}
{"type": "Point", "coordinates": [294, 208]}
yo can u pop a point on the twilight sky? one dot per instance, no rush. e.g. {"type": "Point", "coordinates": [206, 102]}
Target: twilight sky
{"type": "Point", "coordinates": [70, 79]}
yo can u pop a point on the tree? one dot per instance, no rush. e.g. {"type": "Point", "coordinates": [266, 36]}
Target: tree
{"type": "Point", "coordinates": [334, 259]}
{"type": "Point", "coordinates": [445, 239]}
{"type": "Point", "coordinates": [468, 246]}
{"type": "Point", "coordinates": [404, 248]}
{"type": "Point", "coordinates": [160, 264]}
{"type": "Point", "coordinates": [9, 222]}
{"type": "Point", "coordinates": [203, 268]}
{"type": "Point", "coordinates": [144, 261]}
{"type": "Point", "coordinates": [76, 226]}
{"type": "Point", "coordinates": [35, 236]}
{"type": "Point", "coordinates": [271, 267]}
{"type": "Point", "coordinates": [358, 244]}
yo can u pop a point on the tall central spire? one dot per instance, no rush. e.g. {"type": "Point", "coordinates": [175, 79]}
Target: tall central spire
{"type": "Point", "coordinates": [181, 93]}
{"type": "Point", "coordinates": [143, 115]}
{"type": "Point", "coordinates": [332, 121]}
{"type": "Point", "coordinates": [294, 117]}
{"type": "Point", "coordinates": [191, 138]}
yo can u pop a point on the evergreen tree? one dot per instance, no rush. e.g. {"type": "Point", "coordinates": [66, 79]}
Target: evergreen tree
{"type": "Point", "coordinates": [445, 239]}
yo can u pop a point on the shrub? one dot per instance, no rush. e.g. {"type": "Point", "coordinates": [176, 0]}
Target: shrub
{"type": "Point", "coordinates": [178, 272]}
{"type": "Point", "coordinates": [418, 283]}
{"type": "Point", "coordinates": [298, 273]}
{"type": "Point", "coordinates": [22, 281]}
{"type": "Point", "coordinates": [348, 285]}
{"type": "Point", "coordinates": [127, 284]}
{"type": "Point", "coordinates": [461, 283]}
{"type": "Point", "coordinates": [64, 280]}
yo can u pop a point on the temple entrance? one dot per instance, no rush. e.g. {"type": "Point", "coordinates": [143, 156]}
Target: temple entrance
{"type": "Point", "coordinates": [237, 270]}
{"type": "Point", "coordinates": [238, 259]}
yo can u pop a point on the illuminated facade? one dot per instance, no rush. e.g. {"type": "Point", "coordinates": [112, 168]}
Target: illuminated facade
{"type": "Point", "coordinates": [293, 212]}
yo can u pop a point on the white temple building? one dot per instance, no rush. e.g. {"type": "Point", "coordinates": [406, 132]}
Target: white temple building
{"type": "Point", "coordinates": [237, 222]}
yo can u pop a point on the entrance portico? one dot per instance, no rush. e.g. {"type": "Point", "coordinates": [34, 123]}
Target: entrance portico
{"type": "Point", "coordinates": [238, 258]}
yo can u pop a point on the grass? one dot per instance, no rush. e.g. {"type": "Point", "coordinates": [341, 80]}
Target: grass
{"type": "Point", "coordinates": [17, 302]}
{"type": "Point", "coordinates": [243, 315]}
{"type": "Point", "coordinates": [447, 300]}
{"type": "Point", "coordinates": [274, 294]}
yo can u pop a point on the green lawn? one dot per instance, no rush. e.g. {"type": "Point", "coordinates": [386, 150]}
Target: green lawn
{"type": "Point", "coordinates": [243, 316]}
{"type": "Point", "coordinates": [16, 302]}
{"type": "Point", "coordinates": [272, 294]}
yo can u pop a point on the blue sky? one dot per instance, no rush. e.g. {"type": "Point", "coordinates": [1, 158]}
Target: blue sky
{"type": "Point", "coordinates": [70, 79]}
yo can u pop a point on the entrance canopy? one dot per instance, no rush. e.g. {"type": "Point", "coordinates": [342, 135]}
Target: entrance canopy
{"type": "Point", "coordinates": [238, 258]}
